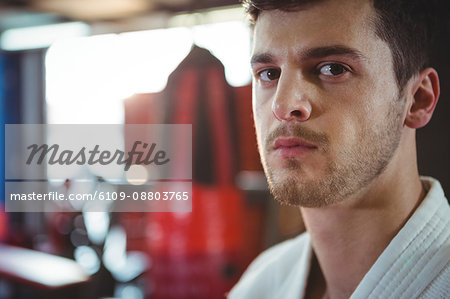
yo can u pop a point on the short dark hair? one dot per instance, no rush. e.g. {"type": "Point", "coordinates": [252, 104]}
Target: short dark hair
{"type": "Point", "coordinates": [405, 25]}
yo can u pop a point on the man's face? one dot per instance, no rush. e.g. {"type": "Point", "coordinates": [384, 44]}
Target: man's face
{"type": "Point", "coordinates": [327, 111]}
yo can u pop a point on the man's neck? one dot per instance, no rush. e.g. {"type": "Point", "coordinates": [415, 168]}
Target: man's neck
{"type": "Point", "coordinates": [348, 238]}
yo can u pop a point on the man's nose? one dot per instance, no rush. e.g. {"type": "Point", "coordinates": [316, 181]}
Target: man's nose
{"type": "Point", "coordinates": [291, 102]}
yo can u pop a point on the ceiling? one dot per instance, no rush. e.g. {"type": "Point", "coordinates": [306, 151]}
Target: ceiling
{"type": "Point", "coordinates": [20, 13]}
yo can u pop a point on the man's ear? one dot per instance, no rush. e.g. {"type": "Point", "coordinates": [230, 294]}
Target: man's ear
{"type": "Point", "coordinates": [425, 94]}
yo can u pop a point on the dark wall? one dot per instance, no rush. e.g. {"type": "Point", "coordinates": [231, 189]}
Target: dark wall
{"type": "Point", "coordinates": [433, 141]}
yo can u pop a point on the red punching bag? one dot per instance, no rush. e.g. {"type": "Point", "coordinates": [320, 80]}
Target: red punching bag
{"type": "Point", "coordinates": [198, 254]}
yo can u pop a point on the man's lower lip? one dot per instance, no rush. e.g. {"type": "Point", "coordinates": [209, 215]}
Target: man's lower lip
{"type": "Point", "coordinates": [293, 151]}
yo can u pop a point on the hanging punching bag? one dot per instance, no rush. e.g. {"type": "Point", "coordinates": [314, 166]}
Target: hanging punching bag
{"type": "Point", "coordinates": [197, 254]}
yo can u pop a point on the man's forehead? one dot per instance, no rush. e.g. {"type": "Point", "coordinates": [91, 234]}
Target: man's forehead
{"type": "Point", "coordinates": [320, 24]}
{"type": "Point", "coordinates": [342, 12]}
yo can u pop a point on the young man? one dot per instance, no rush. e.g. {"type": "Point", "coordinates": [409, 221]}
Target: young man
{"type": "Point", "coordinates": [340, 87]}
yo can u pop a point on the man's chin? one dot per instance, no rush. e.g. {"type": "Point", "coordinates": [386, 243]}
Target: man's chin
{"type": "Point", "coordinates": [292, 193]}
{"type": "Point", "coordinates": [300, 202]}
{"type": "Point", "coordinates": [303, 193]}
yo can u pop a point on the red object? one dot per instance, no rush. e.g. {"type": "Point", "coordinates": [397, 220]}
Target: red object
{"type": "Point", "coordinates": [248, 149]}
{"type": "Point", "coordinates": [198, 254]}
{"type": "Point", "coordinates": [203, 253]}
{"type": "Point", "coordinates": [145, 108]}
{"type": "Point", "coordinates": [135, 225]}
{"type": "Point", "coordinates": [3, 223]}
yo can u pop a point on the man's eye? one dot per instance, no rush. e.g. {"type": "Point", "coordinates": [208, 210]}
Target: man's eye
{"type": "Point", "coordinates": [333, 69]}
{"type": "Point", "coordinates": [269, 75]}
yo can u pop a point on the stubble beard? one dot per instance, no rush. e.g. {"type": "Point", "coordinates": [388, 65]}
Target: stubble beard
{"type": "Point", "coordinates": [356, 168]}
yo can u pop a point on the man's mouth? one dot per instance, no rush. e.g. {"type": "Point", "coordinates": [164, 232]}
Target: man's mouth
{"type": "Point", "coordinates": [289, 147]}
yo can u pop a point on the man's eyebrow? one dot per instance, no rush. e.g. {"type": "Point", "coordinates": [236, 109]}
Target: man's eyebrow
{"type": "Point", "coordinates": [321, 52]}
{"type": "Point", "coordinates": [261, 58]}
{"type": "Point", "coordinates": [311, 53]}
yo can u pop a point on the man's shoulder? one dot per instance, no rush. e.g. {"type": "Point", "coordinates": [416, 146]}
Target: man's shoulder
{"type": "Point", "coordinates": [272, 267]}
{"type": "Point", "coordinates": [416, 263]}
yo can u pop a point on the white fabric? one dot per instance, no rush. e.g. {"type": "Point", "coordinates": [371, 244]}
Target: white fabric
{"type": "Point", "coordinates": [416, 264]}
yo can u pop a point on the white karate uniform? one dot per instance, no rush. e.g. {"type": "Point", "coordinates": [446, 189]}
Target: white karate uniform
{"type": "Point", "coordinates": [416, 263]}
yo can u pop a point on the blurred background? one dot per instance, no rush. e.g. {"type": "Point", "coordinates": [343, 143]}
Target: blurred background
{"type": "Point", "coordinates": [152, 62]}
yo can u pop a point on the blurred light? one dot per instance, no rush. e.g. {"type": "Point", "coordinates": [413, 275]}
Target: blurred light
{"type": "Point", "coordinates": [83, 77]}
{"type": "Point", "coordinates": [88, 78]}
{"type": "Point", "coordinates": [40, 36]}
{"type": "Point", "coordinates": [114, 256]}
{"type": "Point", "coordinates": [97, 225]}
{"type": "Point", "coordinates": [137, 175]}
{"type": "Point", "coordinates": [129, 292]}
{"type": "Point", "coordinates": [123, 267]}
{"type": "Point", "coordinates": [87, 258]}
{"type": "Point", "coordinates": [42, 268]}
{"type": "Point", "coordinates": [135, 264]}
{"type": "Point", "coordinates": [230, 43]}
{"type": "Point", "coordinates": [149, 57]}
